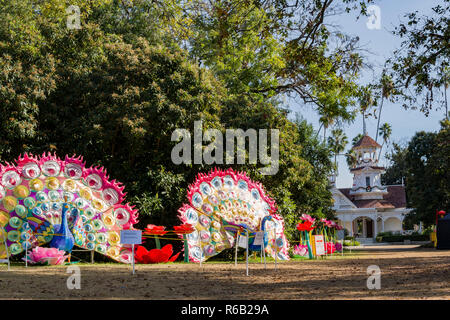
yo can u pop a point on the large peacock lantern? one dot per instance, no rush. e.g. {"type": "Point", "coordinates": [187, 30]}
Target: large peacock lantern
{"type": "Point", "coordinates": [223, 203]}
{"type": "Point", "coordinates": [61, 203]}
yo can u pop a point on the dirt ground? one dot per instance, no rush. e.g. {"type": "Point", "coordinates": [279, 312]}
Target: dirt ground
{"type": "Point", "coordinates": [407, 272]}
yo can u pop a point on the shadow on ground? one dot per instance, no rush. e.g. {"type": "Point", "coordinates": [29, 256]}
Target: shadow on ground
{"type": "Point", "coordinates": [407, 274]}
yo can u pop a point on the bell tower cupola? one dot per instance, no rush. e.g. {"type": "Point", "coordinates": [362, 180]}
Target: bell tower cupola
{"type": "Point", "coordinates": [366, 171]}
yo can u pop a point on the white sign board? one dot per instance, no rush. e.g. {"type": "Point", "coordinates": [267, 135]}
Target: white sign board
{"type": "Point", "coordinates": [319, 245]}
{"type": "Point", "coordinates": [131, 237]}
{"type": "Point", "coordinates": [258, 238]}
{"type": "Point", "coordinates": [243, 241]}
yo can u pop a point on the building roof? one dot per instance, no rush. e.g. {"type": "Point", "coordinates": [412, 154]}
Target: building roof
{"type": "Point", "coordinates": [395, 198]}
{"type": "Point", "coordinates": [366, 142]}
{"type": "Point", "coordinates": [373, 167]}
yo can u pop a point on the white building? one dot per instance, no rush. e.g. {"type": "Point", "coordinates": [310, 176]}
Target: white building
{"type": "Point", "coordinates": [369, 207]}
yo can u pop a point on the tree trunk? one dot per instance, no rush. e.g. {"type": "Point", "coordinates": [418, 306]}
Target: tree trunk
{"type": "Point", "coordinates": [379, 116]}
{"type": "Point", "coordinates": [318, 131]}
{"type": "Point", "coordinates": [445, 96]}
{"type": "Point", "coordinates": [379, 153]}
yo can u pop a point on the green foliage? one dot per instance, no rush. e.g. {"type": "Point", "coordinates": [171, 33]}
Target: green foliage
{"type": "Point", "coordinates": [424, 165]}
{"type": "Point", "coordinates": [156, 21]}
{"type": "Point", "coordinates": [422, 61]}
{"type": "Point", "coordinates": [348, 243]}
{"type": "Point", "coordinates": [384, 132]}
{"type": "Point", "coordinates": [402, 238]}
{"type": "Point", "coordinates": [428, 230]}
{"type": "Point", "coordinates": [337, 142]}
{"type": "Point", "coordinates": [388, 92]}
{"type": "Point", "coordinates": [115, 90]}
{"type": "Point", "coordinates": [385, 234]}
{"type": "Point", "coordinates": [315, 195]}
{"type": "Point", "coordinates": [120, 112]}
{"type": "Point", "coordinates": [268, 48]}
{"type": "Point", "coordinates": [358, 137]}
{"type": "Point", "coordinates": [397, 170]}
{"type": "Point", "coordinates": [350, 156]}
{"type": "Point", "coordinates": [390, 236]}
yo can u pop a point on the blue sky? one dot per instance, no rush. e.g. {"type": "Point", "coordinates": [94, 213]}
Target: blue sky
{"type": "Point", "coordinates": [381, 43]}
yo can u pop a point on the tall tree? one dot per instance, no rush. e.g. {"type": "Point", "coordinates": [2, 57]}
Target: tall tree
{"type": "Point", "coordinates": [268, 48]}
{"type": "Point", "coordinates": [27, 76]}
{"type": "Point", "coordinates": [337, 142]}
{"type": "Point", "coordinates": [351, 159]}
{"type": "Point", "coordinates": [397, 170]}
{"type": "Point", "coordinates": [423, 54]}
{"type": "Point", "coordinates": [424, 164]}
{"type": "Point", "coordinates": [351, 155]}
{"type": "Point", "coordinates": [387, 90]}
{"type": "Point", "coordinates": [385, 133]}
{"type": "Point", "coordinates": [326, 122]}
{"type": "Point", "coordinates": [116, 96]}
{"type": "Point", "coordinates": [446, 80]}
{"type": "Point", "coordinates": [357, 138]}
{"type": "Point", "coordinates": [366, 101]}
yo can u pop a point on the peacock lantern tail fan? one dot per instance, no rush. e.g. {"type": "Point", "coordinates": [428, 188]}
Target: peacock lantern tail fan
{"type": "Point", "coordinates": [223, 202]}
{"type": "Point", "coordinates": [46, 200]}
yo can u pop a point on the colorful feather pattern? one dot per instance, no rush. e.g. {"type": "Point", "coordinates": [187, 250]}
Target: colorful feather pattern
{"type": "Point", "coordinates": [226, 197]}
{"type": "Point", "coordinates": [40, 196]}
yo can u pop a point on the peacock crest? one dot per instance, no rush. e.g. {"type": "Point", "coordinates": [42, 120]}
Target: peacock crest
{"type": "Point", "coordinates": [221, 203]}
{"type": "Point", "coordinates": [61, 202]}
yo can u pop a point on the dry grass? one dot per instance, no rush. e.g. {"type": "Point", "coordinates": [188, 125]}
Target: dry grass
{"type": "Point", "coordinates": [407, 273]}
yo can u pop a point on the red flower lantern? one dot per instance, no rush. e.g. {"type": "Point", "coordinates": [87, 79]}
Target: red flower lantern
{"type": "Point", "coordinates": [155, 230]}
{"type": "Point", "coordinates": [155, 255]}
{"type": "Point", "coordinates": [330, 247]}
{"type": "Point", "coordinates": [185, 228]}
{"type": "Point", "coordinates": [439, 213]}
{"type": "Point", "coordinates": [305, 226]}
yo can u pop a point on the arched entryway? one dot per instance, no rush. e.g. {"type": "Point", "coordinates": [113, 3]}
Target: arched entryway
{"type": "Point", "coordinates": [363, 227]}
{"type": "Point", "coordinates": [393, 224]}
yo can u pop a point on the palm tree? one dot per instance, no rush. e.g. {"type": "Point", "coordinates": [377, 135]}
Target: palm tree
{"type": "Point", "coordinates": [351, 158]}
{"type": "Point", "coordinates": [445, 93]}
{"type": "Point", "coordinates": [387, 89]}
{"type": "Point", "coordinates": [385, 133]}
{"type": "Point", "coordinates": [325, 122]}
{"type": "Point", "coordinates": [365, 102]}
{"type": "Point", "coordinates": [357, 138]}
{"type": "Point", "coordinates": [446, 80]}
{"type": "Point", "coordinates": [351, 155]}
{"type": "Point", "coordinates": [337, 142]}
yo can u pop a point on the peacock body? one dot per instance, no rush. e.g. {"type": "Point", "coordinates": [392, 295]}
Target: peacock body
{"type": "Point", "coordinates": [46, 200]}
{"type": "Point", "coordinates": [221, 204]}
